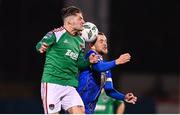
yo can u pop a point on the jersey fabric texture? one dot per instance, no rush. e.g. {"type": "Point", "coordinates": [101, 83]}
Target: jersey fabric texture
{"type": "Point", "coordinates": [63, 57]}
{"type": "Point", "coordinates": [91, 81]}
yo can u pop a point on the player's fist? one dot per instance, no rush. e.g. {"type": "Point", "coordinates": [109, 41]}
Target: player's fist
{"type": "Point", "coordinates": [43, 48]}
{"type": "Point", "coordinates": [93, 58]}
{"type": "Point", "coordinates": [123, 59]}
{"type": "Point", "coordinates": [130, 98]}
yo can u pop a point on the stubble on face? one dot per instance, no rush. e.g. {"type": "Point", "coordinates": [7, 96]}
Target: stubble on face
{"type": "Point", "coordinates": [77, 22]}
{"type": "Point", "coordinates": [101, 45]}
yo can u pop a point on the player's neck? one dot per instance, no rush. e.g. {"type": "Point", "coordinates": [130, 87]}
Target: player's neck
{"type": "Point", "coordinates": [70, 30]}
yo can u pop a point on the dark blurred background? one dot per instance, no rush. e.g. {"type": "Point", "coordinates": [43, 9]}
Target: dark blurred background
{"type": "Point", "coordinates": [147, 29]}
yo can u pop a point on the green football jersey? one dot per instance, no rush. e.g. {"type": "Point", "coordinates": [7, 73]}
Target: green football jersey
{"type": "Point", "coordinates": [64, 57]}
{"type": "Point", "coordinates": [104, 105]}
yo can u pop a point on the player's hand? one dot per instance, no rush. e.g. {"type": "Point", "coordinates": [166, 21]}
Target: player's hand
{"type": "Point", "coordinates": [43, 48]}
{"type": "Point", "coordinates": [93, 58]}
{"type": "Point", "coordinates": [130, 98]}
{"type": "Point", "coordinates": [124, 58]}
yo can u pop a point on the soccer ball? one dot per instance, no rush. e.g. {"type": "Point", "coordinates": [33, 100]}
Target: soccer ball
{"type": "Point", "coordinates": [89, 32]}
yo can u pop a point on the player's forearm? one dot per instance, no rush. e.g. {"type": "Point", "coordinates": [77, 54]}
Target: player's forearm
{"type": "Point", "coordinates": [115, 94]}
{"type": "Point", "coordinates": [110, 91]}
{"type": "Point", "coordinates": [104, 66]}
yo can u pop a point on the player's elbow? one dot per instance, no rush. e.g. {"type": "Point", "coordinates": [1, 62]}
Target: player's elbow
{"type": "Point", "coordinates": [109, 92]}
{"type": "Point", "coordinates": [38, 48]}
{"type": "Point", "coordinates": [108, 86]}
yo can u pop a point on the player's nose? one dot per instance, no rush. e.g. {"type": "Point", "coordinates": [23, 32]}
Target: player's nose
{"type": "Point", "coordinates": [83, 21]}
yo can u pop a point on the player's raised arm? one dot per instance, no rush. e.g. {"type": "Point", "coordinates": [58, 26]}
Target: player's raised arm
{"type": "Point", "coordinates": [110, 91]}
{"type": "Point", "coordinates": [46, 41]}
{"type": "Point", "coordinates": [104, 66]}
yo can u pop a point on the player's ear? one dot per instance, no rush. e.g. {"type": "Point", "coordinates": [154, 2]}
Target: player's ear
{"type": "Point", "coordinates": [68, 20]}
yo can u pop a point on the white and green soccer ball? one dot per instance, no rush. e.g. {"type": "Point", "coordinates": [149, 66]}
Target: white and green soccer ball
{"type": "Point", "coordinates": [89, 32]}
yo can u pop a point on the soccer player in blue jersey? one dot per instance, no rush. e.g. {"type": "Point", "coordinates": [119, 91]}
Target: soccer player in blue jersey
{"type": "Point", "coordinates": [98, 76]}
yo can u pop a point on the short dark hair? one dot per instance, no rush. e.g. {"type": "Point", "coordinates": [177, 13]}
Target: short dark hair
{"type": "Point", "coordinates": [99, 33]}
{"type": "Point", "coordinates": [69, 11]}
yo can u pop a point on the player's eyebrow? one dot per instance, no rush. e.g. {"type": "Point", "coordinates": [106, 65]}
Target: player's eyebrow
{"type": "Point", "coordinates": [81, 17]}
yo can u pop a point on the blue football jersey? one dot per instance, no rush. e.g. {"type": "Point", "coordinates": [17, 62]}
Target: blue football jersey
{"type": "Point", "coordinates": [91, 81]}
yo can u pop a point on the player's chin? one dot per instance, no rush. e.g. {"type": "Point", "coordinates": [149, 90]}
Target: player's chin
{"type": "Point", "coordinates": [104, 52]}
{"type": "Point", "coordinates": [80, 28]}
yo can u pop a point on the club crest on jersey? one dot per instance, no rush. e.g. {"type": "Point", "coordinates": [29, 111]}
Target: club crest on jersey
{"type": "Point", "coordinates": [51, 106]}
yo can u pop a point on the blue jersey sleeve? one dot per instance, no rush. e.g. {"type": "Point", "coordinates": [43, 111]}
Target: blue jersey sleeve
{"type": "Point", "coordinates": [110, 91]}
{"type": "Point", "coordinates": [89, 53]}
{"type": "Point", "coordinates": [102, 66]}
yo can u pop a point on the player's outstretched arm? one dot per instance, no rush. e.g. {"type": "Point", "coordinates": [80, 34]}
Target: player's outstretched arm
{"type": "Point", "coordinates": [102, 66]}
{"type": "Point", "coordinates": [110, 91]}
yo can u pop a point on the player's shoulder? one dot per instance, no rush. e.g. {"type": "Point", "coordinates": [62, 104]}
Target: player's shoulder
{"type": "Point", "coordinates": [58, 32]}
{"type": "Point", "coordinates": [59, 29]}
{"type": "Point", "coordinates": [90, 52]}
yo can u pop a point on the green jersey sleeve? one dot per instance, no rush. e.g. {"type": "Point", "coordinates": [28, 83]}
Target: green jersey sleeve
{"type": "Point", "coordinates": [49, 39]}
{"type": "Point", "coordinates": [82, 62]}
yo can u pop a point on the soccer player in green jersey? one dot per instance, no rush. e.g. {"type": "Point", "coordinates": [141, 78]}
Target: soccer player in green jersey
{"type": "Point", "coordinates": [64, 57]}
